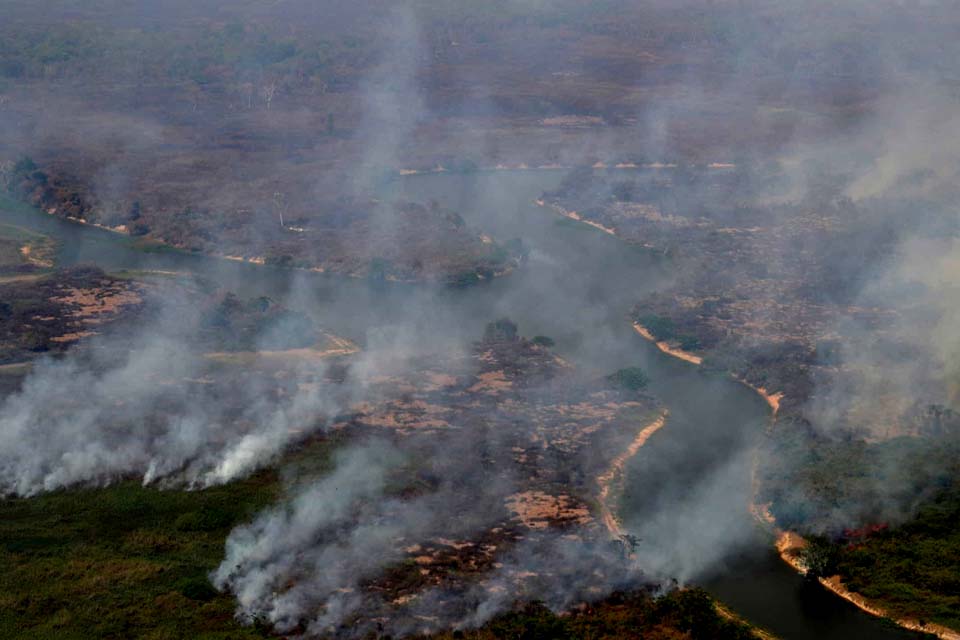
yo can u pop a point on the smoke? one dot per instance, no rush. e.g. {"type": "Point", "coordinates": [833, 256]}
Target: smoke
{"type": "Point", "coordinates": [392, 99]}
{"type": "Point", "coordinates": [154, 411]}
{"type": "Point", "coordinates": [827, 109]}
{"type": "Point", "coordinates": [318, 562]}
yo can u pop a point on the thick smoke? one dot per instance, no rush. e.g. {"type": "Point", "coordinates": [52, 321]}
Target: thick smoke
{"type": "Point", "coordinates": [308, 564]}
{"type": "Point", "coordinates": [150, 412]}
{"type": "Point", "coordinates": [902, 189]}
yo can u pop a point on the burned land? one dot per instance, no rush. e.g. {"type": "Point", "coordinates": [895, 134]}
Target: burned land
{"type": "Point", "coordinates": [178, 459]}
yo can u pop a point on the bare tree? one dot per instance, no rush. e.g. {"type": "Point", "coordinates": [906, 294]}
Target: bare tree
{"type": "Point", "coordinates": [6, 172]}
{"type": "Point", "coordinates": [268, 91]}
{"type": "Point", "coordinates": [279, 204]}
{"type": "Point", "coordinates": [246, 90]}
{"type": "Point", "coordinates": [195, 93]}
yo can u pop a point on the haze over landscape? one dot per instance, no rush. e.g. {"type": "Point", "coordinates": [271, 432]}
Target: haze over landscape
{"type": "Point", "coordinates": [513, 319]}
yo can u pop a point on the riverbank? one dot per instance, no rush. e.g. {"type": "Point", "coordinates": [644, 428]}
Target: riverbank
{"type": "Point", "coordinates": [573, 215]}
{"type": "Point", "coordinates": [330, 346]}
{"type": "Point", "coordinates": [404, 255]}
{"type": "Point", "coordinates": [665, 346]}
{"type": "Point", "coordinates": [771, 398]}
{"type": "Point", "coordinates": [790, 546]}
{"type": "Point", "coordinates": [614, 474]}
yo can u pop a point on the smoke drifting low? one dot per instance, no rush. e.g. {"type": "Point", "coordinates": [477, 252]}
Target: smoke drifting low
{"type": "Point", "coordinates": [151, 406]}
{"type": "Point", "coordinates": [323, 562]}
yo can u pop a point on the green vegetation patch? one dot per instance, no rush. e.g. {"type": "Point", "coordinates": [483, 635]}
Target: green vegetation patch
{"type": "Point", "coordinates": [883, 515]}
{"type": "Point", "coordinates": [120, 562]}
{"type": "Point", "coordinates": [630, 378]}
{"type": "Point", "coordinates": [912, 570]}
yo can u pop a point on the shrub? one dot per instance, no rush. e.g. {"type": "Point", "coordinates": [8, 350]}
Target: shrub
{"type": "Point", "coordinates": [197, 589]}
{"type": "Point", "coordinates": [631, 378]}
{"type": "Point", "coordinates": [661, 328]}
{"type": "Point", "coordinates": [543, 341]}
{"type": "Point", "coordinates": [503, 330]}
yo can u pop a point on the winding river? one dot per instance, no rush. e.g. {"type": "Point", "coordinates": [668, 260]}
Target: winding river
{"type": "Point", "coordinates": [687, 490]}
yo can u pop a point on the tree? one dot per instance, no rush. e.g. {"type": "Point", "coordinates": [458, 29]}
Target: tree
{"type": "Point", "coordinates": [819, 557]}
{"type": "Point", "coordinates": [24, 166]}
{"type": "Point", "coordinates": [543, 341]}
{"type": "Point", "coordinates": [503, 330]}
{"type": "Point", "coordinates": [630, 378]}
{"type": "Point", "coordinates": [268, 92]}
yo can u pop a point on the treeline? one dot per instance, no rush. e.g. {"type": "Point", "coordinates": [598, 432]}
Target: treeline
{"type": "Point", "coordinates": [686, 613]}
{"type": "Point", "coordinates": [238, 56]}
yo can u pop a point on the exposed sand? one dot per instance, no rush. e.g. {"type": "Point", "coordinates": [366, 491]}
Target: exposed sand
{"type": "Point", "coordinates": [572, 121]}
{"type": "Point", "coordinates": [573, 215]}
{"type": "Point", "coordinates": [403, 416]}
{"type": "Point", "coordinates": [27, 277]}
{"type": "Point", "coordinates": [96, 303]}
{"type": "Point", "coordinates": [537, 510]}
{"type": "Point", "coordinates": [73, 337]}
{"type": "Point", "coordinates": [772, 399]}
{"type": "Point", "coordinates": [553, 166]}
{"type": "Point", "coordinates": [724, 612]}
{"type": "Point", "coordinates": [665, 346]}
{"type": "Point", "coordinates": [93, 306]}
{"type": "Point", "coordinates": [16, 368]}
{"type": "Point", "coordinates": [332, 346]}
{"type": "Point", "coordinates": [789, 545]}
{"type": "Point", "coordinates": [492, 382]}
{"type": "Point", "coordinates": [121, 228]}
{"type": "Point", "coordinates": [614, 474]}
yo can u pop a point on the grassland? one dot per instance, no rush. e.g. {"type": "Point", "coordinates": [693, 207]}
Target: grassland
{"type": "Point", "coordinates": [121, 562]}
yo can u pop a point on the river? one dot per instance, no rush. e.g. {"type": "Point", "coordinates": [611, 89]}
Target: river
{"type": "Point", "coordinates": [687, 490]}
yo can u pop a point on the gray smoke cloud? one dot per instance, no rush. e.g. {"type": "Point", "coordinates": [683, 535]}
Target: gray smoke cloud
{"type": "Point", "coordinates": [307, 564]}
{"type": "Point", "coordinates": [152, 412]}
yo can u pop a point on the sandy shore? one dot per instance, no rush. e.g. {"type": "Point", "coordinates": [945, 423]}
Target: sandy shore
{"type": "Point", "coordinates": [772, 399]}
{"type": "Point", "coordinates": [665, 346]}
{"type": "Point", "coordinates": [523, 166]}
{"type": "Point", "coordinates": [334, 346]}
{"type": "Point", "coordinates": [724, 612]}
{"type": "Point", "coordinates": [790, 544]}
{"type": "Point", "coordinates": [614, 474]}
{"type": "Point", "coordinates": [573, 215]}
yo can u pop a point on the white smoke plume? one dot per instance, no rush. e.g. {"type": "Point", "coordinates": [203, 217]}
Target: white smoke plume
{"type": "Point", "coordinates": [151, 413]}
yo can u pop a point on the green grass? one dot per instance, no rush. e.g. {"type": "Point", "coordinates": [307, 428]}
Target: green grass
{"type": "Point", "coordinates": [120, 562]}
{"type": "Point", "coordinates": [128, 561]}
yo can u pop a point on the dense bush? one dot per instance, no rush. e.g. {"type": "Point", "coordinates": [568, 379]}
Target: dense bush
{"type": "Point", "coordinates": [631, 378]}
